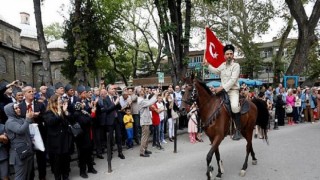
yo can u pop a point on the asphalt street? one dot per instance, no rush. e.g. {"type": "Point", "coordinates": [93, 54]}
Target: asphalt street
{"type": "Point", "coordinates": [293, 154]}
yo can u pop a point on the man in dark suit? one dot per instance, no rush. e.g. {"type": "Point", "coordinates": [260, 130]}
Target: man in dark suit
{"type": "Point", "coordinates": [112, 120]}
{"type": "Point", "coordinates": [38, 109]}
{"type": "Point", "coordinates": [72, 99]}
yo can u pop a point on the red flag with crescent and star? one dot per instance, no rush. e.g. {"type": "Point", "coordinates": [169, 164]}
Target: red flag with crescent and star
{"type": "Point", "coordinates": [214, 49]}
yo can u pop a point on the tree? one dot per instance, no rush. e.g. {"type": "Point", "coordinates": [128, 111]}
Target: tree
{"type": "Point", "coordinates": [53, 32]}
{"type": "Point", "coordinates": [248, 19]}
{"type": "Point", "coordinates": [44, 53]}
{"type": "Point", "coordinates": [144, 36]}
{"type": "Point", "coordinates": [306, 35]}
{"type": "Point", "coordinates": [175, 35]}
{"type": "Point", "coordinates": [84, 42]}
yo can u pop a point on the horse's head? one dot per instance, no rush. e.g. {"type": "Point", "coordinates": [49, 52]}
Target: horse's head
{"type": "Point", "coordinates": [190, 95]}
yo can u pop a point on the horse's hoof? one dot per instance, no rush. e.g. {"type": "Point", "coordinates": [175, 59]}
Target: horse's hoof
{"type": "Point", "coordinates": [221, 166]}
{"type": "Point", "coordinates": [242, 173]}
{"type": "Point", "coordinates": [254, 162]}
{"type": "Point", "coordinates": [217, 178]}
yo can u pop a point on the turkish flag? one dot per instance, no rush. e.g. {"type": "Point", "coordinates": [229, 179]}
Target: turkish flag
{"type": "Point", "coordinates": [214, 49]}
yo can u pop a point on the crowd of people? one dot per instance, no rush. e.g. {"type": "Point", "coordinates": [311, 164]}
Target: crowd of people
{"type": "Point", "coordinates": [296, 105]}
{"type": "Point", "coordinates": [128, 117]}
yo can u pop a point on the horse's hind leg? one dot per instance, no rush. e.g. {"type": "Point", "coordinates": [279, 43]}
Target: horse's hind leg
{"type": "Point", "coordinates": [209, 159]}
{"type": "Point", "coordinates": [248, 151]}
{"type": "Point", "coordinates": [220, 166]}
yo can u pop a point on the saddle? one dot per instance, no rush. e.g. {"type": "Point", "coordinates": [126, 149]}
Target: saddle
{"type": "Point", "coordinates": [244, 103]}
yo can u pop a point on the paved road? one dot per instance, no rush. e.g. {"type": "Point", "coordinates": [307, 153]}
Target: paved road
{"type": "Point", "coordinates": [293, 154]}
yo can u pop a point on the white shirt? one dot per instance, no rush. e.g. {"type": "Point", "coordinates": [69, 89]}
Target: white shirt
{"type": "Point", "coordinates": [161, 107]}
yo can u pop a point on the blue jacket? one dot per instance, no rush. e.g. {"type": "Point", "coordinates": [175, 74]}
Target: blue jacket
{"type": "Point", "coordinates": [303, 100]}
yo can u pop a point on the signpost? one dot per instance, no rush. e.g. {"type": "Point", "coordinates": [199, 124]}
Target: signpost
{"type": "Point", "coordinates": [160, 77]}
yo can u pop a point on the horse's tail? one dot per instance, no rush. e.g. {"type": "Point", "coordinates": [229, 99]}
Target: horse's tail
{"type": "Point", "coordinates": [263, 117]}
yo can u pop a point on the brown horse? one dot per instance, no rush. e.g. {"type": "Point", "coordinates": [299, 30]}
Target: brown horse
{"type": "Point", "coordinates": [216, 121]}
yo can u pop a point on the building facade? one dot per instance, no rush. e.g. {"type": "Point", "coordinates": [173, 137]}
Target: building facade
{"type": "Point", "coordinates": [20, 57]}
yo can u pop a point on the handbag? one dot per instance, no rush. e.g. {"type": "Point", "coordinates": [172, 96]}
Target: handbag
{"type": "Point", "coordinates": [297, 103]}
{"type": "Point", "coordinates": [36, 137]}
{"type": "Point", "coordinates": [76, 129]}
{"type": "Point", "coordinates": [289, 109]}
{"type": "Point", "coordinates": [174, 114]}
{"type": "Point", "coordinates": [24, 151]}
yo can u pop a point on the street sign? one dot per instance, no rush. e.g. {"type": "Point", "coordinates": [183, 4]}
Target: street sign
{"type": "Point", "coordinates": [161, 77]}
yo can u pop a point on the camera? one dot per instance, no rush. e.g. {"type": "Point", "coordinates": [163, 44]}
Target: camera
{"type": "Point", "coordinates": [64, 98]}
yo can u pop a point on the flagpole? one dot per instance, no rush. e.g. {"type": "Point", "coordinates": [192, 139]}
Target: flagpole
{"type": "Point", "coordinates": [228, 21]}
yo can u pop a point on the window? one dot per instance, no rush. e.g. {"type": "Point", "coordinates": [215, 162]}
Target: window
{"type": "Point", "coordinates": [57, 74]}
{"type": "Point", "coordinates": [22, 68]}
{"type": "Point", "coordinates": [9, 41]}
{"type": "Point", "coordinates": [3, 65]}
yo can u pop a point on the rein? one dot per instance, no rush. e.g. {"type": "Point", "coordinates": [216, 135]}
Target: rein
{"type": "Point", "coordinates": [213, 115]}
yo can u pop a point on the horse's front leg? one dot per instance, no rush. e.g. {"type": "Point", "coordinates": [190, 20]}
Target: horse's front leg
{"type": "Point", "coordinates": [209, 159]}
{"type": "Point", "coordinates": [220, 166]}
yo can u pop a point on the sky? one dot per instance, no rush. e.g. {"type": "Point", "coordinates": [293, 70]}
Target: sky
{"type": "Point", "coordinates": [51, 11]}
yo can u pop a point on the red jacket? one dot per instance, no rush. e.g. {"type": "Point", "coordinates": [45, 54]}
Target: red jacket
{"type": "Point", "coordinates": [155, 115]}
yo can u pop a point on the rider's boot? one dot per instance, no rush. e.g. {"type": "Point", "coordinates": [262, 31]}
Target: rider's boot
{"type": "Point", "coordinates": [237, 134]}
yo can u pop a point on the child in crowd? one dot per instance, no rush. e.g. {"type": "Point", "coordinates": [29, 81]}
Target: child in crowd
{"type": "Point", "coordinates": [128, 122]}
{"type": "Point", "coordinates": [192, 125]}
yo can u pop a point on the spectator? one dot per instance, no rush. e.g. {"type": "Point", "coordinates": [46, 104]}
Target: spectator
{"type": "Point", "coordinates": [17, 129]}
{"type": "Point", "coordinates": [59, 89]}
{"type": "Point", "coordinates": [280, 110]}
{"type": "Point", "coordinates": [162, 108]}
{"type": "Point", "coordinates": [145, 121]}
{"type": "Point", "coordinates": [169, 106]}
{"type": "Point", "coordinates": [30, 103]}
{"type": "Point", "coordinates": [128, 122]}
{"type": "Point", "coordinates": [135, 114]}
{"type": "Point", "coordinates": [59, 138]}
{"type": "Point", "coordinates": [84, 141]}
{"type": "Point", "coordinates": [4, 164]}
{"type": "Point", "coordinates": [192, 125]}
{"type": "Point", "coordinates": [290, 100]}
{"type": "Point", "coordinates": [156, 124]}
{"type": "Point", "coordinates": [5, 98]}
{"type": "Point", "coordinates": [113, 121]}
{"type": "Point", "coordinates": [17, 94]}
{"type": "Point", "coordinates": [307, 105]}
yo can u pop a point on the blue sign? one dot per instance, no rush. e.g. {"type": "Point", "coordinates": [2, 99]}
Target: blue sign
{"type": "Point", "coordinates": [290, 81]}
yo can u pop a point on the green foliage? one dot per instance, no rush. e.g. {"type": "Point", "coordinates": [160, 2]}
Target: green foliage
{"type": "Point", "coordinates": [53, 32]}
{"type": "Point", "coordinates": [247, 19]}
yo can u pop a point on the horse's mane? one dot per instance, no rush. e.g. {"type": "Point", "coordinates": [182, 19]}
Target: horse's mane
{"type": "Point", "coordinates": [203, 84]}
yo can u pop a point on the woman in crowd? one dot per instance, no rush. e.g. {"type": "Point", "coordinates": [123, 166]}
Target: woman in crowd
{"type": "Point", "coordinates": [21, 152]}
{"type": "Point", "coordinates": [296, 106]}
{"type": "Point", "coordinates": [84, 140]}
{"type": "Point", "coordinates": [290, 99]}
{"type": "Point", "coordinates": [280, 110]}
{"type": "Point", "coordinates": [169, 105]}
{"type": "Point", "coordinates": [192, 124]}
{"type": "Point", "coordinates": [59, 137]}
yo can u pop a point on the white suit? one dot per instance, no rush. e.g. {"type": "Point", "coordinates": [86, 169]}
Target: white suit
{"type": "Point", "coordinates": [229, 75]}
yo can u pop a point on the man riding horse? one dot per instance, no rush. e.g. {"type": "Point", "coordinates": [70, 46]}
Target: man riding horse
{"type": "Point", "coordinates": [229, 72]}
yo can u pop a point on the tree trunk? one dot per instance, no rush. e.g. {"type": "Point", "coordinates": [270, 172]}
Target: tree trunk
{"type": "Point", "coordinates": [44, 53]}
{"type": "Point", "coordinates": [306, 37]}
{"type": "Point", "coordinates": [277, 59]}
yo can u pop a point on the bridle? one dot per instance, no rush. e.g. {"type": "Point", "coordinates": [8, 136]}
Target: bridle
{"type": "Point", "coordinates": [214, 114]}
